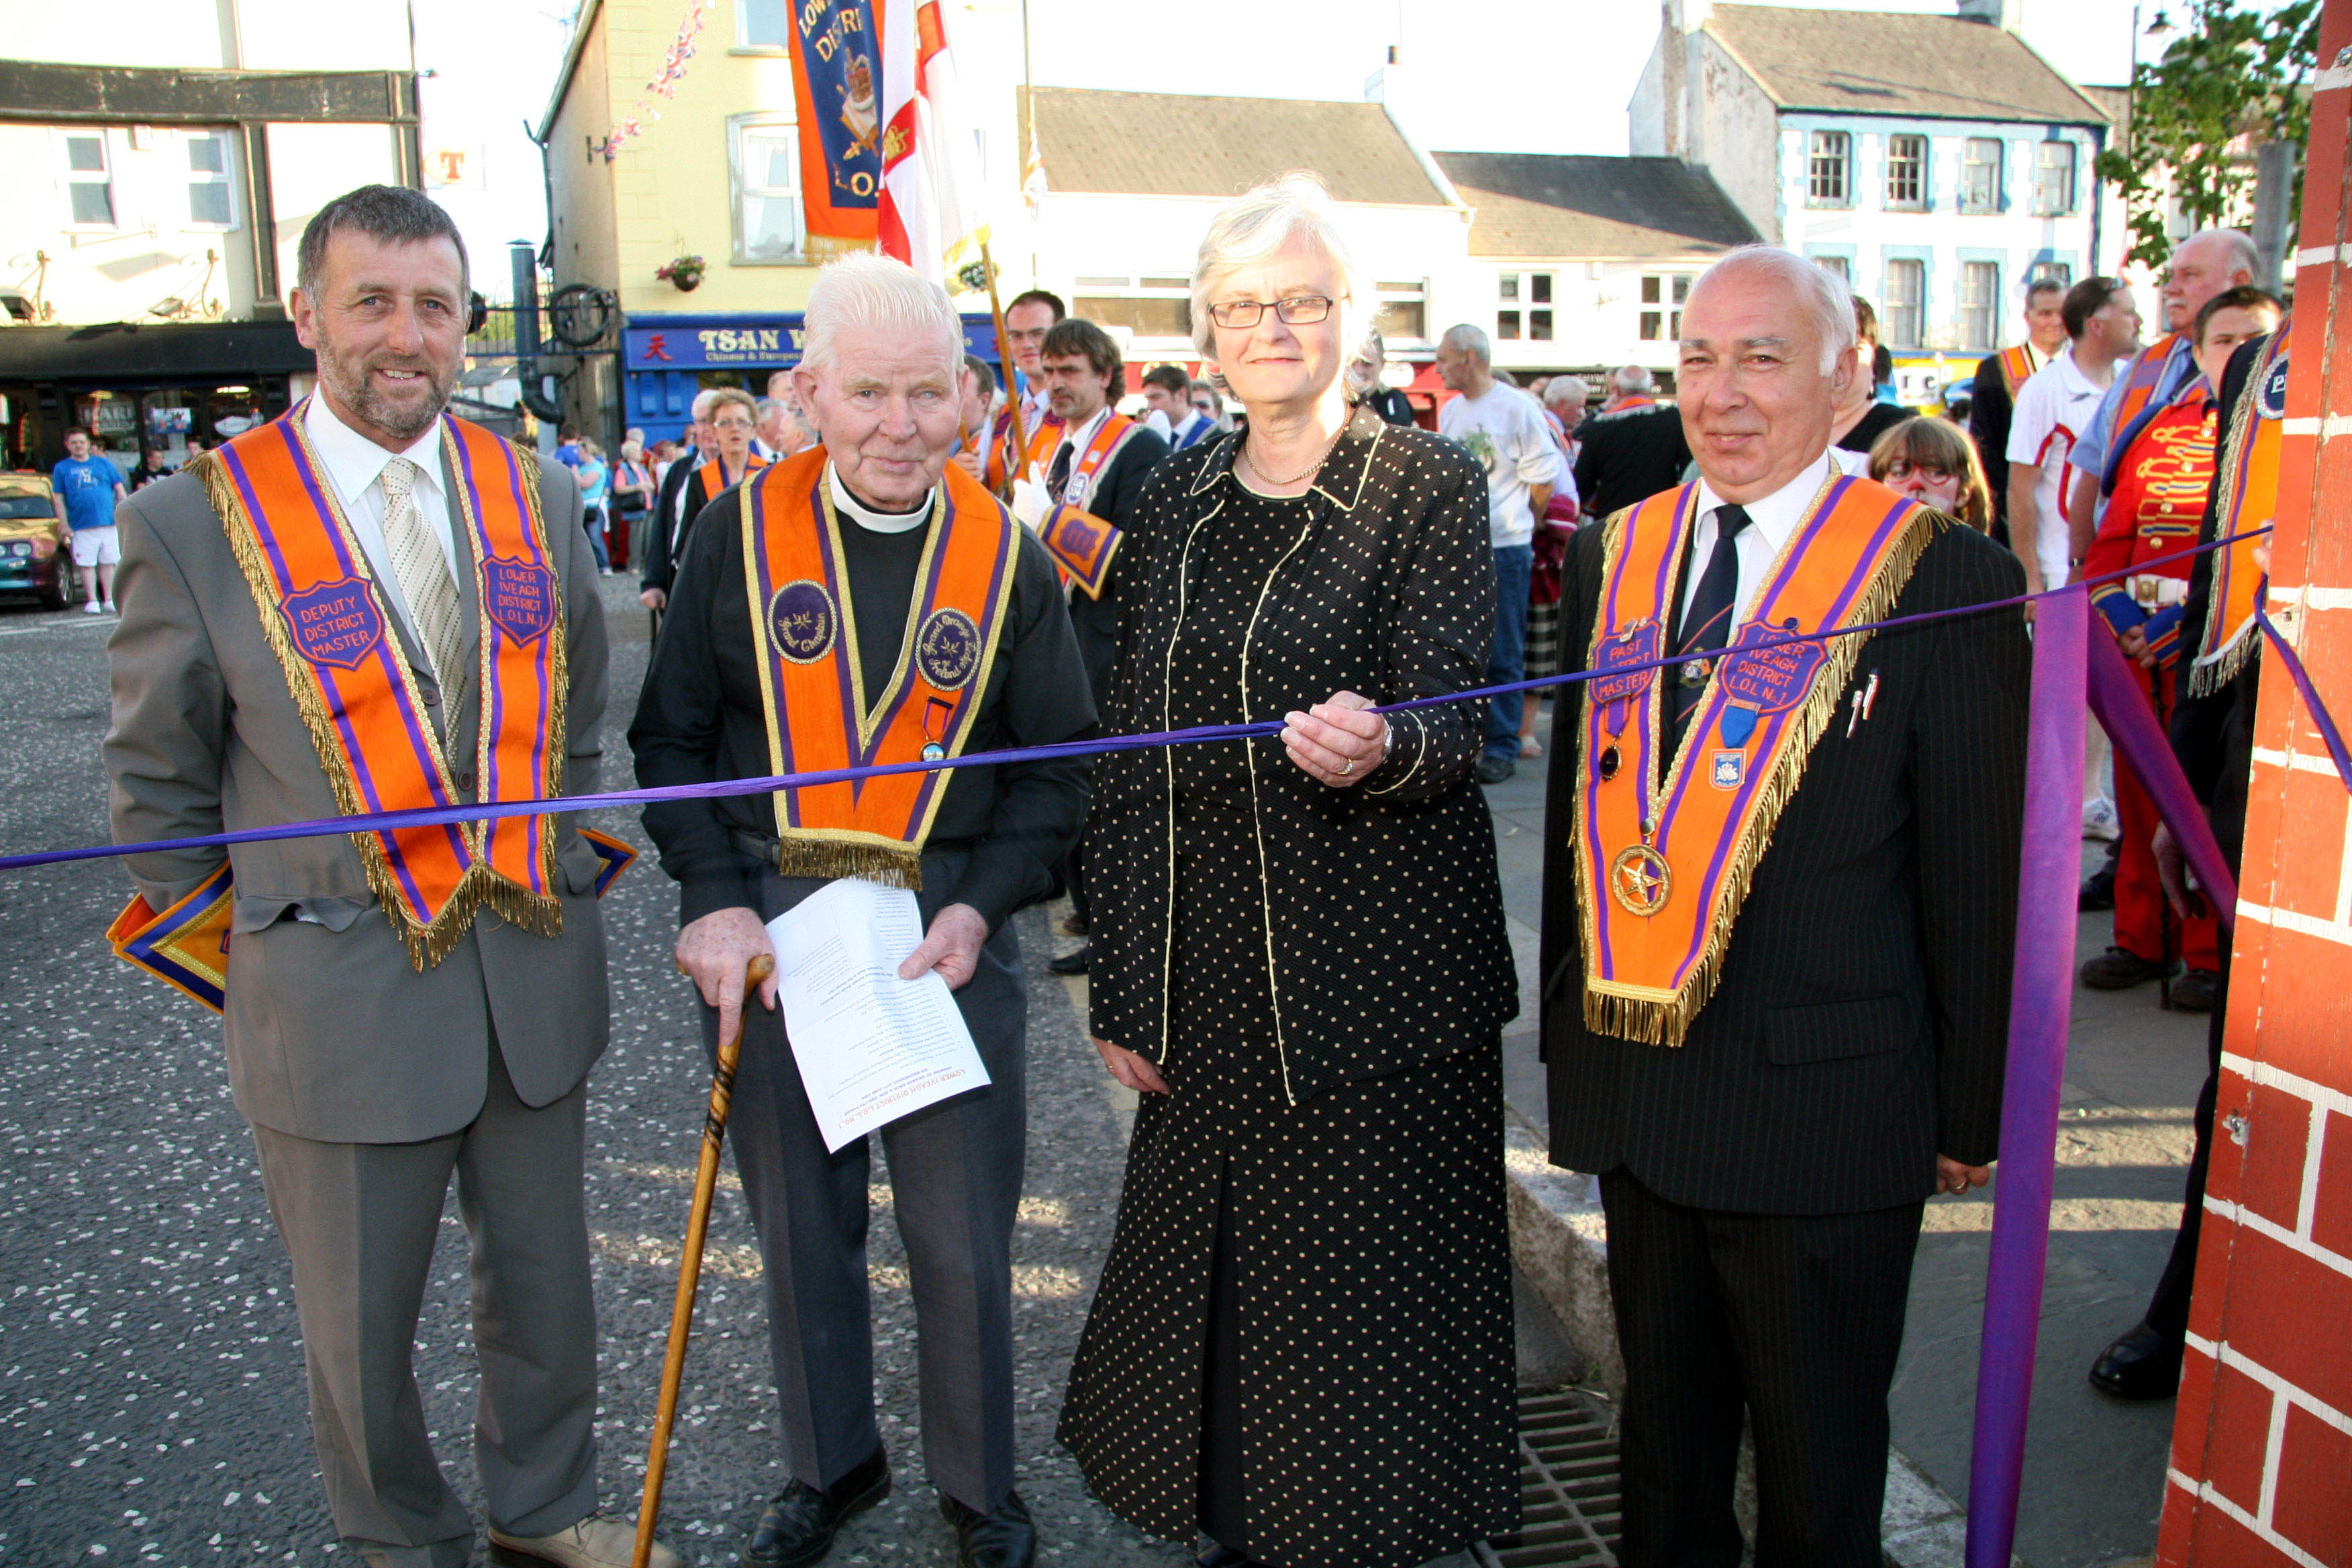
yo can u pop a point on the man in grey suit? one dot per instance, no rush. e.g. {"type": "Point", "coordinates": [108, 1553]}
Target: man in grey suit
{"type": "Point", "coordinates": [375, 1063]}
{"type": "Point", "coordinates": [884, 354]}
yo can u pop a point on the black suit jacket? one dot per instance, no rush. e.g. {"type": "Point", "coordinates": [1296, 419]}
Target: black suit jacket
{"type": "Point", "coordinates": [1860, 1023]}
{"type": "Point", "coordinates": [1989, 412]}
{"type": "Point", "coordinates": [1629, 456]}
{"type": "Point", "coordinates": [657, 539]}
{"type": "Point", "coordinates": [1118, 489]}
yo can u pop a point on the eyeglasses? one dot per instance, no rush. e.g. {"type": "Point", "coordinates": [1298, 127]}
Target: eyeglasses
{"type": "Point", "coordinates": [1298, 311]}
{"type": "Point", "coordinates": [732, 424]}
{"type": "Point", "coordinates": [1899, 469]}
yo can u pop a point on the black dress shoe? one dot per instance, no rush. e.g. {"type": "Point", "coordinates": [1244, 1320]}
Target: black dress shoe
{"type": "Point", "coordinates": [2195, 991]}
{"type": "Point", "coordinates": [2120, 969]}
{"type": "Point", "coordinates": [1218, 1556]}
{"type": "Point", "coordinates": [2143, 1365]}
{"type": "Point", "coordinates": [1075, 925]}
{"type": "Point", "coordinates": [799, 1525]}
{"type": "Point", "coordinates": [1494, 770]}
{"type": "Point", "coordinates": [1073, 962]}
{"type": "Point", "coordinates": [1001, 1538]}
{"type": "Point", "coordinates": [2098, 891]}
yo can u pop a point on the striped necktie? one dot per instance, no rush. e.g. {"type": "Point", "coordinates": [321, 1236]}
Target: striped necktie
{"type": "Point", "coordinates": [1707, 620]}
{"type": "Point", "coordinates": [423, 571]}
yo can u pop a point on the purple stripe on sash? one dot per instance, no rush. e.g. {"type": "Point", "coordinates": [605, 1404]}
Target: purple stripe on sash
{"type": "Point", "coordinates": [2042, 992]}
{"type": "Point", "coordinates": [764, 574]}
{"type": "Point", "coordinates": [493, 773]}
{"type": "Point", "coordinates": [1645, 700]}
{"type": "Point", "coordinates": [1752, 779]}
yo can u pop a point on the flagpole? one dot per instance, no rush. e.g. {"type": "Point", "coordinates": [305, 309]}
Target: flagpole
{"type": "Point", "coordinates": [1005, 355]}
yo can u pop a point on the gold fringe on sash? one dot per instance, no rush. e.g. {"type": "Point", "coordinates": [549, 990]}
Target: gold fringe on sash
{"type": "Point", "coordinates": [2204, 680]}
{"type": "Point", "coordinates": [429, 943]}
{"type": "Point", "coordinates": [892, 866]}
{"type": "Point", "coordinates": [1652, 1018]}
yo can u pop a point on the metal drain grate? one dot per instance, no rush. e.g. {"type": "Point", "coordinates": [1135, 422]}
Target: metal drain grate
{"type": "Point", "coordinates": [1568, 1477]}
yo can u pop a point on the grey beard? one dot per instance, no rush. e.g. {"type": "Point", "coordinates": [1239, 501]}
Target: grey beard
{"type": "Point", "coordinates": [356, 393]}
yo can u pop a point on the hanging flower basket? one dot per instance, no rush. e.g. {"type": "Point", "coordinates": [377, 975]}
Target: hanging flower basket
{"type": "Point", "coordinates": [683, 272]}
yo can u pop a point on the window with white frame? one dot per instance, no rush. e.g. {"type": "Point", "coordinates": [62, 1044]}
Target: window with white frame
{"type": "Point", "coordinates": [2057, 272]}
{"type": "Point", "coordinates": [1828, 163]}
{"type": "Point", "coordinates": [1539, 307]}
{"type": "Point", "coordinates": [1662, 306]}
{"type": "Point", "coordinates": [1906, 296]}
{"type": "Point", "coordinates": [212, 204]}
{"type": "Point", "coordinates": [1980, 159]}
{"type": "Point", "coordinates": [763, 157]}
{"type": "Point", "coordinates": [1837, 266]}
{"type": "Point", "coordinates": [1404, 309]}
{"type": "Point", "coordinates": [1149, 307]}
{"type": "Point", "coordinates": [1980, 303]}
{"type": "Point", "coordinates": [88, 180]}
{"type": "Point", "coordinates": [1510, 320]}
{"type": "Point", "coordinates": [763, 24]}
{"type": "Point", "coordinates": [1907, 173]}
{"type": "Point", "coordinates": [2054, 179]}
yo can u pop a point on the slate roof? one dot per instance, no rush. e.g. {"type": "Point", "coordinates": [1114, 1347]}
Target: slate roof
{"type": "Point", "coordinates": [1550, 204]}
{"type": "Point", "coordinates": [1177, 145]}
{"type": "Point", "coordinates": [1868, 62]}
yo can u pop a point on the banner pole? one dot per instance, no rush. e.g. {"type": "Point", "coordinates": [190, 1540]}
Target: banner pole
{"type": "Point", "coordinates": [2041, 997]}
{"type": "Point", "coordinates": [1004, 356]}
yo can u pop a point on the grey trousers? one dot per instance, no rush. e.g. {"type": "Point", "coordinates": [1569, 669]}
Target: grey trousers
{"type": "Point", "coordinates": [955, 1180]}
{"type": "Point", "coordinates": [359, 1221]}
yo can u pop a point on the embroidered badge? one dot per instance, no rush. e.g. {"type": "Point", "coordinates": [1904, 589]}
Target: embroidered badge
{"type": "Point", "coordinates": [1730, 767]}
{"type": "Point", "coordinates": [1612, 684]}
{"type": "Point", "coordinates": [802, 621]}
{"type": "Point", "coordinates": [1760, 680]}
{"type": "Point", "coordinates": [947, 650]}
{"type": "Point", "coordinates": [335, 623]}
{"type": "Point", "coordinates": [519, 598]}
{"type": "Point", "coordinates": [2272, 404]}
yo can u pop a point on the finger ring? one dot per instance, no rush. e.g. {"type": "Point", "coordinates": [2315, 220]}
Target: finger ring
{"type": "Point", "coordinates": [1348, 767]}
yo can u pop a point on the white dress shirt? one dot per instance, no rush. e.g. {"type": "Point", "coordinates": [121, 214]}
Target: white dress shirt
{"type": "Point", "coordinates": [354, 466]}
{"type": "Point", "coordinates": [1770, 522]}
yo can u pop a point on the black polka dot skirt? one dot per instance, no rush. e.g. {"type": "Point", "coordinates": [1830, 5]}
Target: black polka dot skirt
{"type": "Point", "coordinates": [1302, 1339]}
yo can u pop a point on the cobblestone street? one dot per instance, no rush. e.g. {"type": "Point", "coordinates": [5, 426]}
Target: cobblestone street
{"type": "Point", "coordinates": [151, 1391]}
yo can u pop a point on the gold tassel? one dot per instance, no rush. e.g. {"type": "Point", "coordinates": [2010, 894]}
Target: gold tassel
{"type": "Point", "coordinates": [892, 866]}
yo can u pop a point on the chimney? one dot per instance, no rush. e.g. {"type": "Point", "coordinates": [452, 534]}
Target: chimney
{"type": "Point", "coordinates": [2009, 15]}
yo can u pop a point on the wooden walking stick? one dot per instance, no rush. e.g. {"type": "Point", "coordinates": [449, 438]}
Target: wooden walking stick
{"type": "Point", "coordinates": [1020, 453]}
{"type": "Point", "coordinates": [690, 1265]}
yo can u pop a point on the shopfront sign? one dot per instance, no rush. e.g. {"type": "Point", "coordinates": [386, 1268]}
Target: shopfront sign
{"type": "Point", "coordinates": [719, 343]}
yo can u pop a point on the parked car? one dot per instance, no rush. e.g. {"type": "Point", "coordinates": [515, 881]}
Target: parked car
{"type": "Point", "coordinates": [31, 561]}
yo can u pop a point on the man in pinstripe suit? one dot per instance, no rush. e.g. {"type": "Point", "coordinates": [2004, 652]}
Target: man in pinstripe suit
{"type": "Point", "coordinates": [1764, 1180]}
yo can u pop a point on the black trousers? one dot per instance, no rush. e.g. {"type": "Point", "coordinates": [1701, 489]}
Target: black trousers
{"type": "Point", "coordinates": [2168, 1309]}
{"type": "Point", "coordinates": [1795, 1319]}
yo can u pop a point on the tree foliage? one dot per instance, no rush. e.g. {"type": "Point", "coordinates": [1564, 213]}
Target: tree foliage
{"type": "Point", "coordinates": [2234, 79]}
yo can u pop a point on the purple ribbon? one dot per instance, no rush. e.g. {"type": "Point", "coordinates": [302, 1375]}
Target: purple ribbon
{"type": "Point", "coordinates": [2143, 747]}
{"type": "Point", "coordinates": [2320, 718]}
{"type": "Point", "coordinates": [2041, 995]}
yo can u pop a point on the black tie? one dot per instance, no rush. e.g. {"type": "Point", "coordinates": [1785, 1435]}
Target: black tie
{"type": "Point", "coordinates": [1708, 620]}
{"type": "Point", "coordinates": [1061, 474]}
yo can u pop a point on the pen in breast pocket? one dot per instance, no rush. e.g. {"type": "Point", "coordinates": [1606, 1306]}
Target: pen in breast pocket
{"type": "Point", "coordinates": [1863, 701]}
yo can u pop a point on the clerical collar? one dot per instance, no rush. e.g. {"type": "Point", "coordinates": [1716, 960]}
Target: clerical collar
{"type": "Point", "coordinates": [867, 518]}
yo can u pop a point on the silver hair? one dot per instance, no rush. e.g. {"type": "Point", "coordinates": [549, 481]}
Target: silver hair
{"type": "Point", "coordinates": [699, 409]}
{"type": "Point", "coordinates": [768, 407]}
{"type": "Point", "coordinates": [1819, 291]}
{"type": "Point", "coordinates": [2244, 256]}
{"type": "Point", "coordinates": [1470, 340]}
{"type": "Point", "coordinates": [1632, 380]}
{"type": "Point", "coordinates": [1262, 224]}
{"type": "Point", "coordinates": [1567, 389]}
{"type": "Point", "coordinates": [866, 290]}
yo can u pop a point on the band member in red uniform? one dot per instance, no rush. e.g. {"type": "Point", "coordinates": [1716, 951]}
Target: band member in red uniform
{"type": "Point", "coordinates": [2159, 498]}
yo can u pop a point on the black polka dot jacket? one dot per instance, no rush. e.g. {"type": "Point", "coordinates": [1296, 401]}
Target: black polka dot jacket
{"type": "Point", "coordinates": [1383, 919]}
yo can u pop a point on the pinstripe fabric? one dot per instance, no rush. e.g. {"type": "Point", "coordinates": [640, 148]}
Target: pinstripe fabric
{"type": "Point", "coordinates": [1860, 1023]}
{"type": "Point", "coordinates": [1797, 1316]}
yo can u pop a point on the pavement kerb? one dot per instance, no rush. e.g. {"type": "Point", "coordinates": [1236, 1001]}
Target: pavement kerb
{"type": "Point", "coordinates": [1560, 1243]}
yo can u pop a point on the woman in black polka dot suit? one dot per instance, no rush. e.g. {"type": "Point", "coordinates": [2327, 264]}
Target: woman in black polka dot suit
{"type": "Point", "coordinates": [1302, 1341]}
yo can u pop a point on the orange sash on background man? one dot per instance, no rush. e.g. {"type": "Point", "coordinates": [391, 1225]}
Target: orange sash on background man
{"type": "Point", "coordinates": [2136, 404]}
{"type": "Point", "coordinates": [329, 624]}
{"type": "Point", "coordinates": [1043, 437]}
{"type": "Point", "coordinates": [813, 687]}
{"type": "Point", "coordinates": [1663, 868]}
{"type": "Point", "coordinates": [2018, 362]}
{"type": "Point", "coordinates": [2246, 499]}
{"type": "Point", "coordinates": [1080, 543]}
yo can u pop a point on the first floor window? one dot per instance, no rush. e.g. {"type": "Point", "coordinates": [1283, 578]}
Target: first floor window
{"type": "Point", "coordinates": [1980, 174]}
{"type": "Point", "coordinates": [1906, 290]}
{"type": "Point", "coordinates": [765, 162]}
{"type": "Point", "coordinates": [1836, 266]}
{"type": "Point", "coordinates": [1826, 165]}
{"type": "Point", "coordinates": [2054, 180]}
{"type": "Point", "coordinates": [1507, 323]}
{"type": "Point", "coordinates": [209, 202]}
{"type": "Point", "coordinates": [1906, 173]}
{"type": "Point", "coordinates": [89, 182]}
{"type": "Point", "coordinates": [763, 24]}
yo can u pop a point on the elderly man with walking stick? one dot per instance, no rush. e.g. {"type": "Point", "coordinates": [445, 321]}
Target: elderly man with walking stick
{"type": "Point", "coordinates": [370, 604]}
{"type": "Point", "coordinates": [868, 602]}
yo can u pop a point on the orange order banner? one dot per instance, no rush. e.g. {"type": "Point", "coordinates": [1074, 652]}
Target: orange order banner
{"type": "Point", "coordinates": [837, 83]}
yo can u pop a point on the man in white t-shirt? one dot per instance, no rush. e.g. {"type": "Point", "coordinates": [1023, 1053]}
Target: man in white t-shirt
{"type": "Point", "coordinates": [1506, 430]}
{"type": "Point", "coordinates": [2053, 407]}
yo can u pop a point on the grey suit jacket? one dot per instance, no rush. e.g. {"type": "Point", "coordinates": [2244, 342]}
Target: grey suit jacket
{"type": "Point", "coordinates": [332, 1034]}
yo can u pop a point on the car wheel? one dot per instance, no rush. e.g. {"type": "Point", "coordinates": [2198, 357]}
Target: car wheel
{"type": "Point", "coordinates": [60, 595]}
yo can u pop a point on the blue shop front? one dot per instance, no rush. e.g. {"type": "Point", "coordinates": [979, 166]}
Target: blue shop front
{"type": "Point", "coordinates": [666, 359]}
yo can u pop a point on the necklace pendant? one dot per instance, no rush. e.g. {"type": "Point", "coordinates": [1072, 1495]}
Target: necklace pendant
{"type": "Point", "coordinates": [934, 751]}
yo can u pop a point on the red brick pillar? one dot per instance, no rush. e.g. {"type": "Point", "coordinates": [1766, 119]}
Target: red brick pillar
{"type": "Point", "coordinates": [2261, 1445]}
